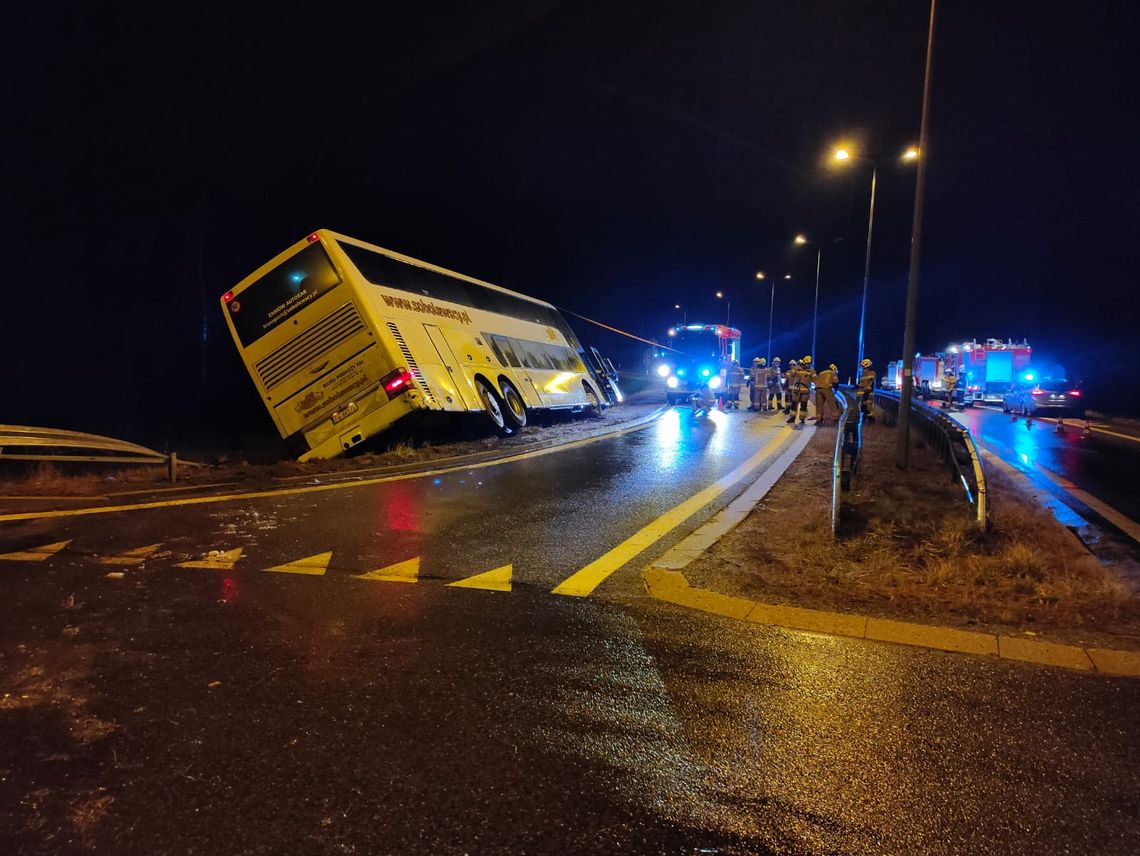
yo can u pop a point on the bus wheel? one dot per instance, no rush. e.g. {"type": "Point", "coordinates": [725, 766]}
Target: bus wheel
{"type": "Point", "coordinates": [593, 403]}
{"type": "Point", "coordinates": [491, 405]}
{"type": "Point", "coordinates": [515, 411]}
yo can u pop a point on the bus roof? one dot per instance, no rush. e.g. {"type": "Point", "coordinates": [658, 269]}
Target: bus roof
{"type": "Point", "coordinates": [427, 265]}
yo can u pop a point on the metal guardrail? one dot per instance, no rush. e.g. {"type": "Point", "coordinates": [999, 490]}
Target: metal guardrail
{"type": "Point", "coordinates": [848, 442]}
{"type": "Point", "coordinates": [76, 447]}
{"type": "Point", "coordinates": [954, 444]}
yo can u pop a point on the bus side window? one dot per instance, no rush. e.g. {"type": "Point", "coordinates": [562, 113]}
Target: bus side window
{"type": "Point", "coordinates": [505, 352]}
{"type": "Point", "coordinates": [535, 356]}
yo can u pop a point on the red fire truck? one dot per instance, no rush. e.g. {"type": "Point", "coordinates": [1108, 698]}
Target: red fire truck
{"type": "Point", "coordinates": [986, 370]}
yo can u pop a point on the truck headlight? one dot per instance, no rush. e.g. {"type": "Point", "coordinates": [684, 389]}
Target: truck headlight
{"type": "Point", "coordinates": [672, 383]}
{"type": "Point", "coordinates": [714, 382]}
{"type": "Point", "coordinates": [663, 370]}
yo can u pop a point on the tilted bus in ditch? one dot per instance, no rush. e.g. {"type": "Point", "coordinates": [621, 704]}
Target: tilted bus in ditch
{"type": "Point", "coordinates": [342, 338]}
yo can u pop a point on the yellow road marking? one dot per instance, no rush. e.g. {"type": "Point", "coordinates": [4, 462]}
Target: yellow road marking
{"type": "Point", "coordinates": [294, 491]}
{"type": "Point", "coordinates": [132, 557]}
{"type": "Point", "coordinates": [496, 580]}
{"type": "Point", "coordinates": [36, 554]}
{"type": "Point", "coordinates": [401, 572]}
{"type": "Point", "coordinates": [583, 582]}
{"type": "Point", "coordinates": [217, 560]}
{"type": "Point", "coordinates": [312, 565]}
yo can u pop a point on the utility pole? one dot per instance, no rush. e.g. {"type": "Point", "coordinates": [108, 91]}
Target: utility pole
{"type": "Point", "coordinates": [902, 450]}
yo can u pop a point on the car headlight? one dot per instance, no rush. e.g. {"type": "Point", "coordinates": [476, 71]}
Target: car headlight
{"type": "Point", "coordinates": [714, 382]}
{"type": "Point", "coordinates": [663, 370]}
{"type": "Point", "coordinates": [672, 383]}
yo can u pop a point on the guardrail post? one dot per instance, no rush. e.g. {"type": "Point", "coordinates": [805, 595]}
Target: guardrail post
{"type": "Point", "coordinates": [172, 466]}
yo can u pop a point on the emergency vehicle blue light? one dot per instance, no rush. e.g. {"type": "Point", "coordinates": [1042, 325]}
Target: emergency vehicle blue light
{"type": "Point", "coordinates": [706, 372]}
{"type": "Point", "coordinates": [1029, 376]}
{"type": "Point", "coordinates": [681, 372]}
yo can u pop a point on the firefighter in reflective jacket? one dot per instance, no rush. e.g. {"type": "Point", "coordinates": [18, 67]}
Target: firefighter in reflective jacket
{"type": "Point", "coordinates": [826, 406]}
{"type": "Point", "coordinates": [949, 384]}
{"type": "Point", "coordinates": [799, 385]}
{"type": "Point", "coordinates": [758, 377]}
{"type": "Point", "coordinates": [775, 393]}
{"type": "Point", "coordinates": [865, 390]}
{"type": "Point", "coordinates": [735, 382]}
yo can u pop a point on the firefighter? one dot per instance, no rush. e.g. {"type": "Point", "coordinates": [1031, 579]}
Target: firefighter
{"type": "Point", "coordinates": [789, 380]}
{"type": "Point", "coordinates": [735, 382]}
{"type": "Point", "coordinates": [865, 390]}
{"type": "Point", "coordinates": [758, 378]}
{"type": "Point", "coordinates": [703, 401]}
{"type": "Point", "coordinates": [774, 391]}
{"type": "Point", "coordinates": [949, 383]}
{"type": "Point", "coordinates": [825, 404]}
{"type": "Point", "coordinates": [799, 387]}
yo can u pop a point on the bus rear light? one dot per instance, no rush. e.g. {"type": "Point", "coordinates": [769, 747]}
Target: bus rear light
{"type": "Point", "coordinates": [228, 296]}
{"type": "Point", "coordinates": [397, 382]}
{"type": "Point", "coordinates": [313, 237]}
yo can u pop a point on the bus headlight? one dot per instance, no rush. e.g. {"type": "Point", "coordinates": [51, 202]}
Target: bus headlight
{"type": "Point", "coordinates": [663, 370]}
{"type": "Point", "coordinates": [672, 383]}
{"type": "Point", "coordinates": [714, 382]}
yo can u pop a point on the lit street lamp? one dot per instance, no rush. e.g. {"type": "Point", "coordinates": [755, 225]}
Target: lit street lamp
{"type": "Point", "coordinates": [801, 241]}
{"type": "Point", "coordinates": [771, 308]}
{"type": "Point", "coordinates": [843, 155]}
{"type": "Point", "coordinates": [728, 307]}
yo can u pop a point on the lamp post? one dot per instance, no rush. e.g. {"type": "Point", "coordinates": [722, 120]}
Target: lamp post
{"type": "Point", "coordinates": [842, 155]}
{"type": "Point", "coordinates": [800, 241]}
{"type": "Point", "coordinates": [771, 308]}
{"type": "Point", "coordinates": [728, 309]}
{"type": "Point", "coordinates": [902, 448]}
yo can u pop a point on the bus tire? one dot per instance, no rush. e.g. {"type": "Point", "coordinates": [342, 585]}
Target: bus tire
{"type": "Point", "coordinates": [492, 405]}
{"type": "Point", "coordinates": [593, 403]}
{"type": "Point", "coordinates": [514, 410]}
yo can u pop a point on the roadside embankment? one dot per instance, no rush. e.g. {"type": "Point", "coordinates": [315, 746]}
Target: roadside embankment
{"type": "Point", "coordinates": [909, 550]}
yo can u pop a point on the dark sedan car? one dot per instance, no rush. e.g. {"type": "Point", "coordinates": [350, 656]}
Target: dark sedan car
{"type": "Point", "coordinates": [1045, 398]}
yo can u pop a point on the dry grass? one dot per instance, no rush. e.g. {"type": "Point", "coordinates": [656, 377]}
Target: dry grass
{"type": "Point", "coordinates": [909, 549]}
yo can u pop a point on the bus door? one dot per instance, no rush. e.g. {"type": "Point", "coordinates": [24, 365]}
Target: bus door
{"type": "Point", "coordinates": [457, 382]}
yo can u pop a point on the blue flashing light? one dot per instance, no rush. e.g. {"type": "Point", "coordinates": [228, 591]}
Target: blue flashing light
{"type": "Point", "coordinates": [297, 277]}
{"type": "Point", "coordinates": [706, 372]}
{"type": "Point", "coordinates": [1029, 376]}
{"type": "Point", "coordinates": [680, 372]}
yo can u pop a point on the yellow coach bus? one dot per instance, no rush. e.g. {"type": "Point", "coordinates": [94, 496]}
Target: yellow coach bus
{"type": "Point", "coordinates": [342, 338]}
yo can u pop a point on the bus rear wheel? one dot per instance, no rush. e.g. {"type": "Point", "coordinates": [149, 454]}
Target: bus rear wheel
{"type": "Point", "coordinates": [491, 404]}
{"type": "Point", "coordinates": [515, 410]}
{"type": "Point", "coordinates": [593, 403]}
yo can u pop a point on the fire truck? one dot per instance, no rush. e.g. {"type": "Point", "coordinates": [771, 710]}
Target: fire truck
{"type": "Point", "coordinates": [701, 357]}
{"type": "Point", "coordinates": [984, 370]}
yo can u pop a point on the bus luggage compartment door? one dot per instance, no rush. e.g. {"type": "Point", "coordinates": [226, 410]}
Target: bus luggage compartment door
{"type": "Point", "coordinates": [455, 383]}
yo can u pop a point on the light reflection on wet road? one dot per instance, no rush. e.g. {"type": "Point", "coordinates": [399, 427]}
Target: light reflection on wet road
{"type": "Point", "coordinates": [1105, 466]}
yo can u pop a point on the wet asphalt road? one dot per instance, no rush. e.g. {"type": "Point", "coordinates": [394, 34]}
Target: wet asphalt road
{"type": "Point", "coordinates": [179, 710]}
{"type": "Point", "coordinates": [1105, 466]}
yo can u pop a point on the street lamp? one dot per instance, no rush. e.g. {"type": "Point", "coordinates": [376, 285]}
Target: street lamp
{"type": "Point", "coordinates": [771, 308]}
{"type": "Point", "coordinates": [801, 241]}
{"type": "Point", "coordinates": [841, 155]}
{"type": "Point", "coordinates": [728, 307]}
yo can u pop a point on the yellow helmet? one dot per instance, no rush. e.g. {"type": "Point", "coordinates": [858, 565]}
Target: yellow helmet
{"type": "Point", "coordinates": [758, 360]}
{"type": "Point", "coordinates": [865, 364]}
{"type": "Point", "coordinates": [776, 359]}
{"type": "Point", "coordinates": [806, 359]}
{"type": "Point", "coordinates": [833, 367]}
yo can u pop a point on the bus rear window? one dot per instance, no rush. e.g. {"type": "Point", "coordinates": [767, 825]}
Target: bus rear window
{"type": "Point", "coordinates": [282, 293]}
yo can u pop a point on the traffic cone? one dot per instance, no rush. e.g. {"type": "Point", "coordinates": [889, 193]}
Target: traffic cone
{"type": "Point", "coordinates": [1061, 425]}
{"type": "Point", "coordinates": [720, 403]}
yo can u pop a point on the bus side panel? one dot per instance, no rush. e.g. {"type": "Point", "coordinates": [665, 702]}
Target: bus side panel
{"type": "Point", "coordinates": [444, 386]}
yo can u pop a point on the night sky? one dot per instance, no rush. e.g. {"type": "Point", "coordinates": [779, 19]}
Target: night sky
{"type": "Point", "coordinates": [613, 158]}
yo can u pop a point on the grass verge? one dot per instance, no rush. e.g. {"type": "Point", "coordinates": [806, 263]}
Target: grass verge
{"type": "Point", "coordinates": [909, 549]}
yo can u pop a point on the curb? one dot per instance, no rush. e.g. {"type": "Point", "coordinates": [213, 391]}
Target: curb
{"type": "Point", "coordinates": [672, 587]}
{"type": "Point", "coordinates": [665, 581]}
